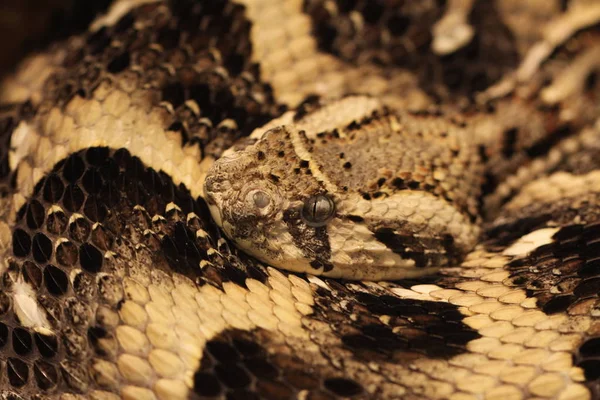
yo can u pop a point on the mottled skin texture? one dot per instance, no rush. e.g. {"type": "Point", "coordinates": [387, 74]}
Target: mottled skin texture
{"type": "Point", "coordinates": [117, 283]}
{"type": "Point", "coordinates": [405, 189]}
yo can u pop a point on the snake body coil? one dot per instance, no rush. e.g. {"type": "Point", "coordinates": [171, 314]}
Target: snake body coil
{"type": "Point", "coordinates": [185, 183]}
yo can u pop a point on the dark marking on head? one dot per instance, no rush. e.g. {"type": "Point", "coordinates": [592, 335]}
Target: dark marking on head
{"type": "Point", "coordinates": [448, 242]}
{"type": "Point", "coordinates": [591, 80]}
{"type": "Point", "coordinates": [440, 250]}
{"type": "Point", "coordinates": [483, 155]}
{"type": "Point", "coordinates": [405, 245]}
{"type": "Point", "coordinates": [310, 104]}
{"type": "Point", "coordinates": [509, 142]}
{"type": "Point", "coordinates": [325, 266]}
{"type": "Point", "coordinates": [312, 241]}
{"type": "Point", "coordinates": [355, 218]}
{"type": "Point", "coordinates": [352, 126]}
{"type": "Point", "coordinates": [399, 183]}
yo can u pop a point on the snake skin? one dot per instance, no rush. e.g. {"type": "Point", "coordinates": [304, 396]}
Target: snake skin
{"type": "Point", "coordinates": [117, 283]}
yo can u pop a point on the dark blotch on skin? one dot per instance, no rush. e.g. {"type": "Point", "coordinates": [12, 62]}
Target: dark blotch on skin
{"type": "Point", "coordinates": [399, 244]}
{"type": "Point", "coordinates": [414, 328]}
{"type": "Point", "coordinates": [237, 365]}
{"type": "Point", "coordinates": [355, 218]}
{"type": "Point", "coordinates": [274, 178]}
{"type": "Point", "coordinates": [509, 142]}
{"type": "Point", "coordinates": [313, 241]}
{"type": "Point", "coordinates": [411, 247]}
{"type": "Point", "coordinates": [343, 387]}
{"type": "Point", "coordinates": [309, 104]}
{"type": "Point", "coordinates": [325, 266]}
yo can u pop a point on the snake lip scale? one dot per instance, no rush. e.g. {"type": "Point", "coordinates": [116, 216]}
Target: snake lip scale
{"type": "Point", "coordinates": [304, 199]}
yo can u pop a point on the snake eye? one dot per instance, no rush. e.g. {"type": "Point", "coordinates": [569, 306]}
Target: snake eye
{"type": "Point", "coordinates": [317, 210]}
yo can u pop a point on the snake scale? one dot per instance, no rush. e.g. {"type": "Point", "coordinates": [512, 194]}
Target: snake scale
{"type": "Point", "coordinates": [305, 199]}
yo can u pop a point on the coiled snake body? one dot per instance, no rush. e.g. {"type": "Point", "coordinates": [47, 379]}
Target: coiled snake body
{"type": "Point", "coordinates": [404, 203]}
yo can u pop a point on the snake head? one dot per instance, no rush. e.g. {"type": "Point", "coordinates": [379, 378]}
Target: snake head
{"type": "Point", "coordinates": [266, 200]}
{"type": "Point", "coordinates": [327, 202]}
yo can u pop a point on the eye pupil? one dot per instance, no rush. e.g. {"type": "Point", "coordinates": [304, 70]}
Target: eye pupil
{"type": "Point", "coordinates": [261, 199]}
{"type": "Point", "coordinates": [317, 210]}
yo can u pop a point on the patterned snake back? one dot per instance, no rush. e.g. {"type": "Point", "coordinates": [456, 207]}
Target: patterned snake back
{"type": "Point", "coordinates": [217, 199]}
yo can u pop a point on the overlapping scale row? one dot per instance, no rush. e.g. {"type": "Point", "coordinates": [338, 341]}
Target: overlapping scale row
{"type": "Point", "coordinates": [403, 34]}
{"type": "Point", "coordinates": [96, 225]}
{"type": "Point", "coordinates": [193, 58]}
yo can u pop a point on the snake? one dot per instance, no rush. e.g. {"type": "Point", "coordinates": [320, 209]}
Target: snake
{"type": "Point", "coordinates": [304, 199]}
